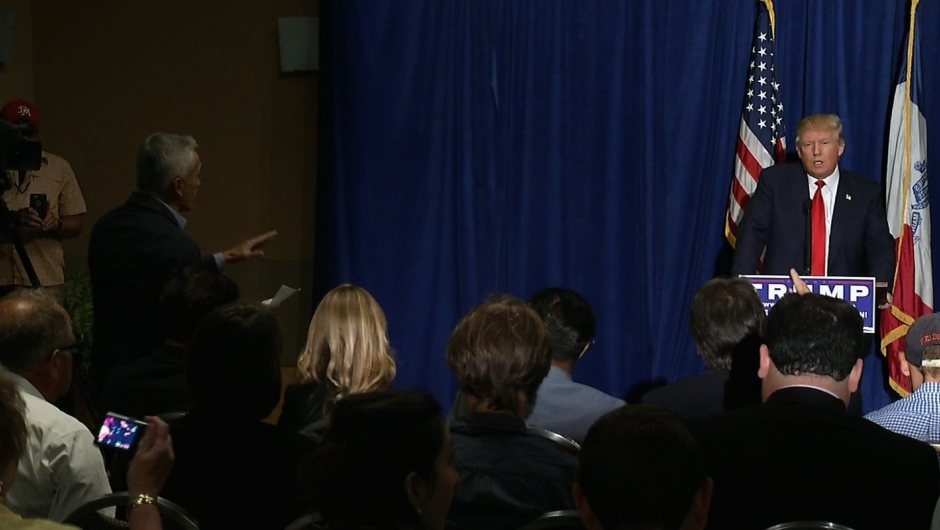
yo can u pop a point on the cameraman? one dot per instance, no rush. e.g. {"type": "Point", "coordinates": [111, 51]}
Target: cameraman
{"type": "Point", "coordinates": [46, 206]}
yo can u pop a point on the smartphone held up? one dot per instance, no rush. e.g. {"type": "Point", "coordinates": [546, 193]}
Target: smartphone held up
{"type": "Point", "coordinates": [120, 432]}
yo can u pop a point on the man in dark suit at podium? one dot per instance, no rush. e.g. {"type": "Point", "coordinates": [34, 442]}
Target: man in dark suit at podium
{"type": "Point", "coordinates": [846, 211]}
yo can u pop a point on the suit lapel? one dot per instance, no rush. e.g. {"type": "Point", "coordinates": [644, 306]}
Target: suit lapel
{"type": "Point", "coordinates": [842, 213]}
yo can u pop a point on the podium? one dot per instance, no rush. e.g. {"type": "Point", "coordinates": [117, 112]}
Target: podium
{"type": "Point", "coordinates": [859, 291]}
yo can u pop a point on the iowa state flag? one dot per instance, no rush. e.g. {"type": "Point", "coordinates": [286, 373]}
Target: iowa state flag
{"type": "Point", "coordinates": [908, 209]}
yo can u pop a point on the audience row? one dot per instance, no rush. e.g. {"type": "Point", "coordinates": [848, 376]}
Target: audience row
{"type": "Point", "coordinates": [768, 435]}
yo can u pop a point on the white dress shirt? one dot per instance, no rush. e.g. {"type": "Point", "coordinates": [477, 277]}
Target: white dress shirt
{"type": "Point", "coordinates": [829, 199]}
{"type": "Point", "coordinates": [61, 468]}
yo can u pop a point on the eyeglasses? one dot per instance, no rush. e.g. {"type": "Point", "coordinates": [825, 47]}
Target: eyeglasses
{"type": "Point", "coordinates": [69, 350]}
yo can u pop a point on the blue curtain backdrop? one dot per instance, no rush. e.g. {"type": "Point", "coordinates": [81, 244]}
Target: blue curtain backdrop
{"type": "Point", "coordinates": [479, 146]}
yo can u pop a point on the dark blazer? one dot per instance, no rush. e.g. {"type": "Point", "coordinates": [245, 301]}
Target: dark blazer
{"type": "Point", "coordinates": [801, 456]}
{"type": "Point", "coordinates": [507, 476]}
{"type": "Point", "coordinates": [860, 243]}
{"type": "Point", "coordinates": [215, 451]}
{"type": "Point", "coordinates": [707, 393]}
{"type": "Point", "coordinates": [133, 250]}
{"type": "Point", "coordinates": [154, 384]}
{"type": "Point", "coordinates": [303, 406]}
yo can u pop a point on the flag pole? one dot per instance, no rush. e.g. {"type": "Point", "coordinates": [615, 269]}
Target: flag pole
{"type": "Point", "coordinates": [773, 17]}
{"type": "Point", "coordinates": [900, 315]}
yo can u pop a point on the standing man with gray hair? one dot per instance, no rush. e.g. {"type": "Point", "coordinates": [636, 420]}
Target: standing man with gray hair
{"type": "Point", "coordinates": [136, 247]}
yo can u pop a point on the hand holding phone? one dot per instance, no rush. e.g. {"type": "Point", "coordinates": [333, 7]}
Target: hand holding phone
{"type": "Point", "coordinates": [120, 432]}
{"type": "Point", "coordinates": [40, 203]}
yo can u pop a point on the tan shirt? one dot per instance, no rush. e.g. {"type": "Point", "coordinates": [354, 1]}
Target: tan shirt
{"type": "Point", "coordinates": [57, 181]}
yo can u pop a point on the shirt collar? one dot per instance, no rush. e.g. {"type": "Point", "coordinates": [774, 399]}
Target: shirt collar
{"type": "Point", "coordinates": [23, 384]}
{"type": "Point", "coordinates": [180, 220]}
{"type": "Point", "coordinates": [821, 389]}
{"type": "Point", "coordinates": [832, 181]}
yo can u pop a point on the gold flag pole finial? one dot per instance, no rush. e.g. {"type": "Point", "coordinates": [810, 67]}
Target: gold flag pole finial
{"type": "Point", "coordinates": [773, 18]}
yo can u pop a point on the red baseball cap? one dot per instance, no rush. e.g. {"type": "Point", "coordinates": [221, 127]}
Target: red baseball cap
{"type": "Point", "coordinates": [20, 109]}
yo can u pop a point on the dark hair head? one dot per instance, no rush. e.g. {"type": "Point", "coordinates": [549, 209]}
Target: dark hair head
{"type": "Point", "coordinates": [726, 312]}
{"type": "Point", "coordinates": [32, 325]}
{"type": "Point", "coordinates": [232, 364]}
{"type": "Point", "coordinates": [814, 334]}
{"type": "Point", "coordinates": [374, 442]}
{"type": "Point", "coordinates": [499, 349]}
{"type": "Point", "coordinates": [640, 468]}
{"type": "Point", "coordinates": [569, 319]}
{"type": "Point", "coordinates": [12, 423]}
{"type": "Point", "coordinates": [188, 296]}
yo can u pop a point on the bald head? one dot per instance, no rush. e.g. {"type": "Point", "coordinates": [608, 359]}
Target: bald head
{"type": "Point", "coordinates": [32, 327]}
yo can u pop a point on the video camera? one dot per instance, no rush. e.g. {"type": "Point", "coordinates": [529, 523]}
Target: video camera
{"type": "Point", "coordinates": [16, 152]}
{"type": "Point", "coordinates": [19, 154]}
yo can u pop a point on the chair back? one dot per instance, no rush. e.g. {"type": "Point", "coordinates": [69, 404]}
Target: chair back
{"type": "Point", "coordinates": [562, 442]}
{"type": "Point", "coordinates": [557, 520]}
{"type": "Point", "coordinates": [808, 525]}
{"type": "Point", "coordinates": [89, 517]}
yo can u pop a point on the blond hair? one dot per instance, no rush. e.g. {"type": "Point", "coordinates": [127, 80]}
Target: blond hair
{"type": "Point", "coordinates": [347, 345]}
{"type": "Point", "coordinates": [830, 122]}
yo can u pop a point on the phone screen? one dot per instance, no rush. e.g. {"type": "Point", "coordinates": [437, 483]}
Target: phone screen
{"type": "Point", "coordinates": [119, 431]}
{"type": "Point", "coordinates": [40, 203]}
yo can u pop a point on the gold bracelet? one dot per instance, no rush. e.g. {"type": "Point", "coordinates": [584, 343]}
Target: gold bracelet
{"type": "Point", "coordinates": [140, 499]}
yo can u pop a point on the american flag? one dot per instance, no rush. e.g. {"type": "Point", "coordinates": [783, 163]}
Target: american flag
{"type": "Point", "coordinates": [761, 139]}
{"type": "Point", "coordinates": [908, 207]}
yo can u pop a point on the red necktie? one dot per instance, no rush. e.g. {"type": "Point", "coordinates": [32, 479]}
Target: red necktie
{"type": "Point", "coordinates": [819, 231]}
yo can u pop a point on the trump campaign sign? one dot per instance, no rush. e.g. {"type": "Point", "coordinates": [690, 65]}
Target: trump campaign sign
{"type": "Point", "coordinates": [860, 292]}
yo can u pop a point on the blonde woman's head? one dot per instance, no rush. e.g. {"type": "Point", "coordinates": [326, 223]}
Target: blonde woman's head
{"type": "Point", "coordinates": [347, 345]}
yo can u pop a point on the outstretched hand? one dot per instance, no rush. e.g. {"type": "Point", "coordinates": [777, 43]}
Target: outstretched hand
{"type": "Point", "coordinates": [250, 248]}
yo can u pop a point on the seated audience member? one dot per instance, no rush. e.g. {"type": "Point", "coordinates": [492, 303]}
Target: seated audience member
{"type": "Point", "coordinates": [727, 321]}
{"type": "Point", "coordinates": [347, 352]}
{"type": "Point", "coordinates": [156, 384]}
{"type": "Point", "coordinates": [561, 405]}
{"type": "Point", "coordinates": [500, 352]}
{"type": "Point", "coordinates": [641, 469]}
{"type": "Point", "coordinates": [61, 467]}
{"type": "Point", "coordinates": [152, 462]}
{"type": "Point", "coordinates": [917, 415]}
{"type": "Point", "coordinates": [800, 455]}
{"type": "Point", "coordinates": [234, 375]}
{"type": "Point", "coordinates": [385, 463]}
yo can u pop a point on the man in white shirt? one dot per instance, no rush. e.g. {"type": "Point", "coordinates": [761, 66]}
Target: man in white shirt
{"type": "Point", "coordinates": [61, 468]}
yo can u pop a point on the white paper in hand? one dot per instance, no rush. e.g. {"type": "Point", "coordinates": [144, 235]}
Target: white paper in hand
{"type": "Point", "coordinates": [283, 293]}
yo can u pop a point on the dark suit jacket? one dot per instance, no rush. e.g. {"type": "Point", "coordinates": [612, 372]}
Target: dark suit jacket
{"type": "Point", "coordinates": [860, 243]}
{"type": "Point", "coordinates": [214, 451]}
{"type": "Point", "coordinates": [507, 476]}
{"type": "Point", "coordinates": [154, 384]}
{"type": "Point", "coordinates": [133, 250]}
{"type": "Point", "coordinates": [801, 456]}
{"type": "Point", "coordinates": [707, 393]}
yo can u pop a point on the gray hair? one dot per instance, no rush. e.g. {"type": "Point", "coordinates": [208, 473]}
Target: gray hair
{"type": "Point", "coordinates": [163, 157]}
